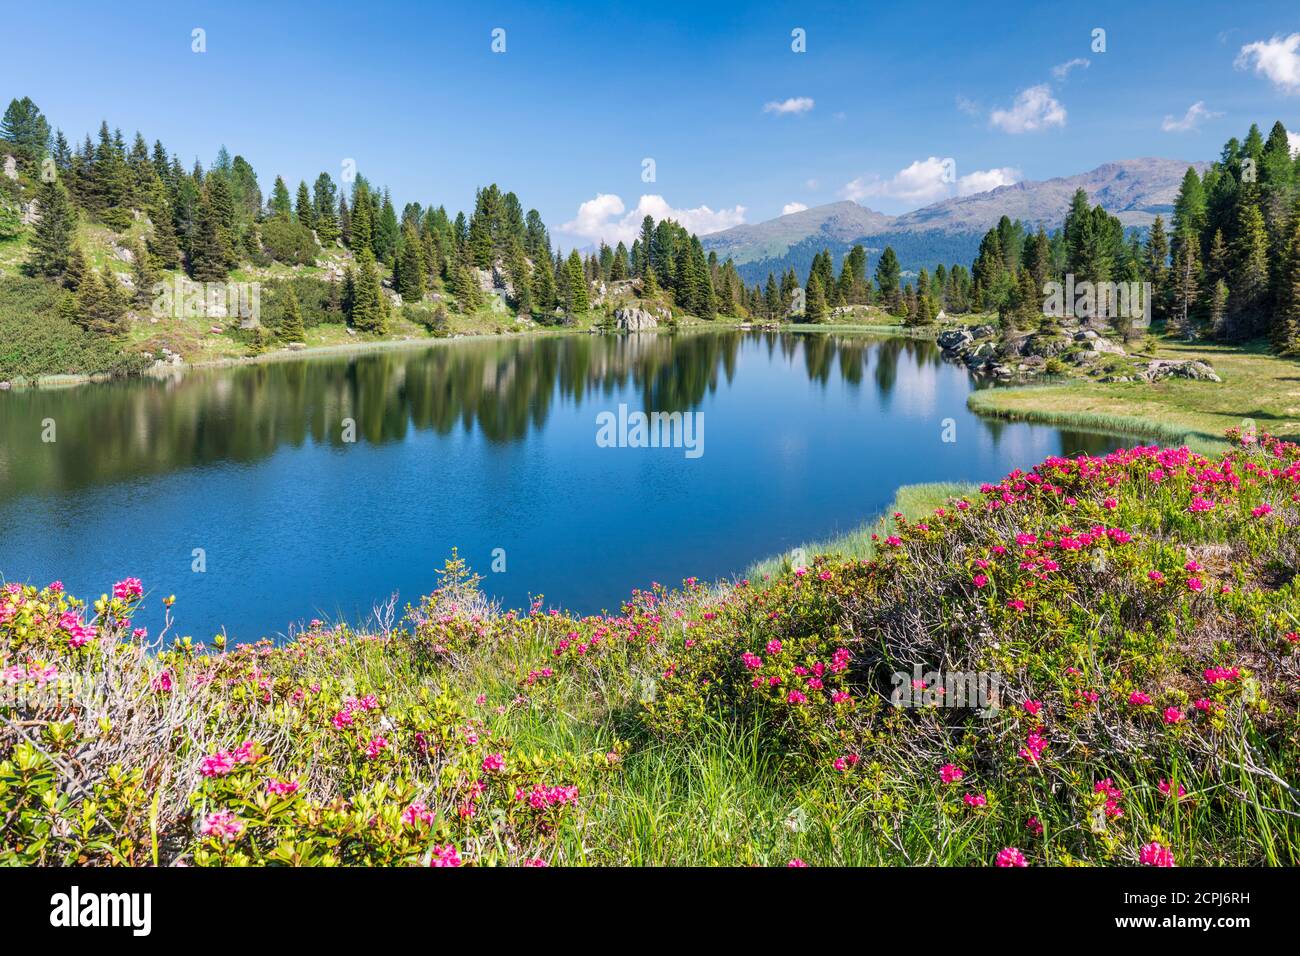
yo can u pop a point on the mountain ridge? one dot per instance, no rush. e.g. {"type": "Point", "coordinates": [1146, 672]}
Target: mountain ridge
{"type": "Point", "coordinates": [1134, 190]}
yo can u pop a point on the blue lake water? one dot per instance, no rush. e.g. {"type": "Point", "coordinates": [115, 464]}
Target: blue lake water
{"type": "Point", "coordinates": [479, 445]}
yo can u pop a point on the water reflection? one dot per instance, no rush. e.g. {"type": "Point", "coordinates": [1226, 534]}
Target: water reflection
{"type": "Point", "coordinates": [503, 388]}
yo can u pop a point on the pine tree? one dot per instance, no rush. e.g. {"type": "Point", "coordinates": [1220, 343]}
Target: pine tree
{"type": "Point", "coordinates": [888, 272]}
{"type": "Point", "coordinates": [1286, 333]}
{"type": "Point", "coordinates": [410, 266]}
{"type": "Point", "coordinates": [144, 274]}
{"type": "Point", "coordinates": [1184, 289]}
{"type": "Point", "coordinates": [303, 207]}
{"type": "Point", "coordinates": [291, 328]}
{"type": "Point", "coordinates": [1155, 267]}
{"type": "Point", "coordinates": [465, 288]}
{"type": "Point", "coordinates": [210, 252]}
{"type": "Point", "coordinates": [544, 286]}
{"type": "Point", "coordinates": [281, 205]}
{"type": "Point", "coordinates": [579, 301]}
{"type": "Point", "coordinates": [362, 235]}
{"type": "Point", "coordinates": [367, 297]}
{"type": "Point", "coordinates": [814, 303]}
{"type": "Point", "coordinates": [1249, 274]}
{"type": "Point", "coordinates": [323, 209]}
{"type": "Point", "coordinates": [51, 243]}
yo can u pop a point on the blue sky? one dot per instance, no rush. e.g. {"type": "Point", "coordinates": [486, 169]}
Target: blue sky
{"type": "Point", "coordinates": [738, 124]}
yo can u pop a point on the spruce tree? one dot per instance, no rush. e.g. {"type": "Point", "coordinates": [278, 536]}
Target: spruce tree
{"type": "Point", "coordinates": [579, 301]}
{"type": "Point", "coordinates": [303, 208]}
{"type": "Point", "coordinates": [410, 266]}
{"type": "Point", "coordinates": [814, 307]}
{"type": "Point", "coordinates": [51, 243]}
{"type": "Point", "coordinates": [367, 296]}
{"type": "Point", "coordinates": [323, 210]}
{"type": "Point", "coordinates": [210, 252]}
{"type": "Point", "coordinates": [281, 205]}
{"type": "Point", "coordinates": [291, 328]}
{"type": "Point", "coordinates": [144, 274]}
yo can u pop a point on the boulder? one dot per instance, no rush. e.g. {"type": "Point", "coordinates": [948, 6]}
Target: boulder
{"type": "Point", "coordinates": [950, 340]}
{"type": "Point", "coordinates": [632, 319]}
{"type": "Point", "coordinates": [1159, 369]}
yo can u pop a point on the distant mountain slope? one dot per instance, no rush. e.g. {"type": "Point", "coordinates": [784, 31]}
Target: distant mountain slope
{"type": "Point", "coordinates": [1135, 190]}
{"type": "Point", "coordinates": [834, 222]}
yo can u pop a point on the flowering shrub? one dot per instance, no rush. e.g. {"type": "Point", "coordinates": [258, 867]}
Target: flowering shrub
{"type": "Point", "coordinates": [1140, 610]}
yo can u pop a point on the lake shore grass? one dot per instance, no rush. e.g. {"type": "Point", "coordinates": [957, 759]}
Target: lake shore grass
{"type": "Point", "coordinates": [1258, 388]}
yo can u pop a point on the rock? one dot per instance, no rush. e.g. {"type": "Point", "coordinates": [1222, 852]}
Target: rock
{"type": "Point", "coordinates": [11, 167]}
{"type": "Point", "coordinates": [1158, 369]}
{"type": "Point", "coordinates": [950, 340]}
{"type": "Point", "coordinates": [983, 331]}
{"type": "Point", "coordinates": [126, 255]}
{"type": "Point", "coordinates": [1106, 345]}
{"type": "Point", "coordinates": [1085, 335]}
{"type": "Point", "coordinates": [216, 330]}
{"type": "Point", "coordinates": [633, 319]}
{"type": "Point", "coordinates": [5, 386]}
{"type": "Point", "coordinates": [296, 346]}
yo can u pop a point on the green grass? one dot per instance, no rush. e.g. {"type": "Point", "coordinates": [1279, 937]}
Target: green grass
{"type": "Point", "coordinates": [1257, 386]}
{"type": "Point", "coordinates": [912, 501]}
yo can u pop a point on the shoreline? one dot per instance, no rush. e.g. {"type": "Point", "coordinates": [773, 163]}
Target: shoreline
{"type": "Point", "coordinates": [74, 380]}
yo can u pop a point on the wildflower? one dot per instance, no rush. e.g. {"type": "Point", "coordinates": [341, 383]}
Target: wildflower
{"type": "Point", "coordinates": [1138, 699]}
{"type": "Point", "coordinates": [445, 856]}
{"type": "Point", "coordinates": [1153, 854]}
{"type": "Point", "coordinates": [1173, 715]}
{"type": "Point", "coordinates": [951, 773]}
{"type": "Point", "coordinates": [1011, 857]}
{"type": "Point", "coordinates": [218, 764]}
{"type": "Point", "coordinates": [975, 800]}
{"type": "Point", "coordinates": [128, 589]}
{"type": "Point", "coordinates": [162, 683]}
{"type": "Point", "coordinates": [222, 824]}
{"type": "Point", "coordinates": [1032, 707]}
{"type": "Point", "coordinates": [281, 788]}
{"type": "Point", "coordinates": [796, 863]}
{"type": "Point", "coordinates": [1016, 604]}
{"type": "Point", "coordinates": [980, 580]}
{"type": "Point", "coordinates": [1156, 576]}
{"type": "Point", "coordinates": [376, 747]}
{"type": "Point", "coordinates": [1215, 675]}
{"type": "Point", "coordinates": [1195, 584]}
{"type": "Point", "coordinates": [493, 762]}
{"type": "Point", "coordinates": [1167, 789]}
{"type": "Point", "coordinates": [417, 813]}
{"type": "Point", "coordinates": [1261, 511]}
{"type": "Point", "coordinates": [1033, 826]}
{"type": "Point", "coordinates": [774, 647]}
{"type": "Point", "coordinates": [536, 862]}
{"type": "Point", "coordinates": [796, 697]}
{"type": "Point", "coordinates": [752, 661]}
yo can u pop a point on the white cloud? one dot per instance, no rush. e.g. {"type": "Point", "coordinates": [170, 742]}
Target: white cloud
{"type": "Point", "coordinates": [795, 104]}
{"type": "Point", "coordinates": [1033, 109]}
{"type": "Point", "coordinates": [1277, 59]}
{"type": "Point", "coordinates": [1191, 119]}
{"type": "Point", "coordinates": [928, 180]}
{"type": "Point", "coordinates": [792, 207]}
{"type": "Point", "coordinates": [605, 217]}
{"type": "Point", "coordinates": [1293, 141]}
{"type": "Point", "coordinates": [968, 106]}
{"type": "Point", "coordinates": [1062, 70]}
{"type": "Point", "coordinates": [982, 180]}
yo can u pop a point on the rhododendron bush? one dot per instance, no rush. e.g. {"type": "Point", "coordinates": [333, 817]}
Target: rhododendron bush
{"type": "Point", "coordinates": [1140, 610]}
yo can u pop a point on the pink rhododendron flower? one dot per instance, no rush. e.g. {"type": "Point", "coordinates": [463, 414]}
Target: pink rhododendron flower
{"type": "Point", "coordinates": [281, 788]}
{"type": "Point", "coordinates": [975, 800]}
{"type": "Point", "coordinates": [796, 863]}
{"type": "Point", "coordinates": [1011, 857]}
{"type": "Point", "coordinates": [445, 856]}
{"type": "Point", "coordinates": [128, 589]}
{"type": "Point", "coordinates": [222, 824]}
{"type": "Point", "coordinates": [493, 762]}
{"type": "Point", "coordinates": [1153, 854]}
{"type": "Point", "coordinates": [1173, 715]}
{"type": "Point", "coordinates": [951, 773]}
{"type": "Point", "coordinates": [1033, 826]}
{"type": "Point", "coordinates": [1138, 699]}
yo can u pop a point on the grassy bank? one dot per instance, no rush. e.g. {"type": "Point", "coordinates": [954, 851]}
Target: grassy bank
{"type": "Point", "coordinates": [1257, 386]}
{"type": "Point", "coordinates": [913, 502]}
{"type": "Point", "coordinates": [1138, 612]}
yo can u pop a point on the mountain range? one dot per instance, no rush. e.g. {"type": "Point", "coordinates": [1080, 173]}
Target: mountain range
{"type": "Point", "coordinates": [949, 231]}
